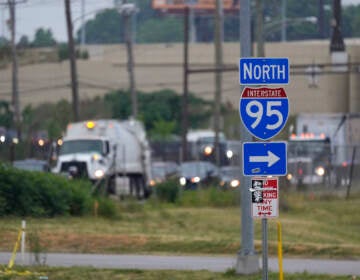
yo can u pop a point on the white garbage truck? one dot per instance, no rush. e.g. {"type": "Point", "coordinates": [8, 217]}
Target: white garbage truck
{"type": "Point", "coordinates": [111, 151]}
{"type": "Point", "coordinates": [323, 148]}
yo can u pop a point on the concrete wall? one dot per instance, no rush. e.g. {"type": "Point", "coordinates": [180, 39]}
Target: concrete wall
{"type": "Point", "coordinates": [159, 66]}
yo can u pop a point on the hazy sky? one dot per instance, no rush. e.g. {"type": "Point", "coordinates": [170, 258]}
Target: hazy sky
{"type": "Point", "coordinates": [51, 14]}
{"type": "Point", "coordinates": [34, 14]}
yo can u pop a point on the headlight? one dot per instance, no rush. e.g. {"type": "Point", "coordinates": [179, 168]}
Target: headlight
{"type": "Point", "coordinates": [182, 181]}
{"type": "Point", "coordinates": [320, 171]}
{"type": "Point", "coordinates": [99, 173]}
{"type": "Point", "coordinates": [289, 176]}
{"type": "Point", "coordinates": [229, 154]}
{"type": "Point", "coordinates": [95, 157]}
{"type": "Point", "coordinates": [234, 183]}
{"type": "Point", "coordinates": [195, 179]}
{"type": "Point", "coordinates": [208, 150]}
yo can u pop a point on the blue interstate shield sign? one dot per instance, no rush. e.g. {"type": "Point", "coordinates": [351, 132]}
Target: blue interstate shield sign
{"type": "Point", "coordinates": [264, 158]}
{"type": "Point", "coordinates": [264, 111]}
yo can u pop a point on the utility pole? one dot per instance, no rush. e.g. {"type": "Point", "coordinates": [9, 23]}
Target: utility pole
{"type": "Point", "coordinates": [247, 261]}
{"type": "Point", "coordinates": [218, 76]}
{"type": "Point", "coordinates": [184, 107]}
{"type": "Point", "coordinates": [127, 10]}
{"type": "Point", "coordinates": [72, 56]}
{"type": "Point", "coordinates": [339, 56]}
{"type": "Point", "coordinates": [283, 21]}
{"type": "Point", "coordinates": [83, 41]}
{"type": "Point", "coordinates": [15, 80]}
{"type": "Point", "coordinates": [337, 42]}
{"type": "Point", "coordinates": [3, 22]}
{"type": "Point", "coordinates": [260, 29]}
{"type": "Point", "coordinates": [321, 27]}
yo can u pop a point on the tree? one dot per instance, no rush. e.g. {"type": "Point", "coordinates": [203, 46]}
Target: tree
{"type": "Point", "coordinates": [23, 42]}
{"type": "Point", "coordinates": [163, 129]}
{"type": "Point", "coordinates": [164, 30]}
{"type": "Point", "coordinates": [5, 52]}
{"type": "Point", "coordinates": [154, 27]}
{"type": "Point", "coordinates": [3, 42]}
{"type": "Point", "coordinates": [351, 21]}
{"type": "Point", "coordinates": [295, 11]}
{"type": "Point", "coordinates": [44, 38]}
{"type": "Point", "coordinates": [105, 28]}
{"type": "Point", "coordinates": [159, 109]}
{"type": "Point", "coordinates": [6, 115]}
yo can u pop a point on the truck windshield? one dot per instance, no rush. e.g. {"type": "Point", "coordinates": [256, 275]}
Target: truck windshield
{"type": "Point", "coordinates": [315, 149]}
{"type": "Point", "coordinates": [81, 146]}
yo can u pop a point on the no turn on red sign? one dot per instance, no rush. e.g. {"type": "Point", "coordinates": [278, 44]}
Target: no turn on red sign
{"type": "Point", "coordinates": [264, 197]}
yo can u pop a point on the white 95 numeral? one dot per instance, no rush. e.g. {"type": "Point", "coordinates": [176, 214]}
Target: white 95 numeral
{"type": "Point", "coordinates": [255, 110]}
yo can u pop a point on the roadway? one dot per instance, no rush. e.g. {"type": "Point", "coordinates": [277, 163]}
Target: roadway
{"type": "Point", "coordinates": [215, 264]}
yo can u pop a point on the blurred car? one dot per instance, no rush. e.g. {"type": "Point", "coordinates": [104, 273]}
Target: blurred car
{"type": "Point", "coordinates": [163, 170]}
{"type": "Point", "coordinates": [230, 177]}
{"type": "Point", "coordinates": [193, 173]}
{"type": "Point", "coordinates": [31, 165]}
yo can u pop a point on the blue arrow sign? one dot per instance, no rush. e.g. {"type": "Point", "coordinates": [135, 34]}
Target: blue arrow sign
{"type": "Point", "coordinates": [264, 158]}
{"type": "Point", "coordinates": [264, 71]}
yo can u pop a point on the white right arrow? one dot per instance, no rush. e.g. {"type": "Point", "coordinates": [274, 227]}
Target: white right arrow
{"type": "Point", "coordinates": [271, 159]}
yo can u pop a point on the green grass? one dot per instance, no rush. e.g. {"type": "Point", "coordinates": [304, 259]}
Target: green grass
{"type": "Point", "coordinates": [89, 273]}
{"type": "Point", "coordinates": [312, 226]}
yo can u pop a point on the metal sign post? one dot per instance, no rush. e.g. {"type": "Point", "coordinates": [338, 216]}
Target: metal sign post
{"type": "Point", "coordinates": [265, 248]}
{"type": "Point", "coordinates": [265, 204]}
{"type": "Point", "coordinates": [264, 112]}
{"type": "Point", "coordinates": [247, 260]}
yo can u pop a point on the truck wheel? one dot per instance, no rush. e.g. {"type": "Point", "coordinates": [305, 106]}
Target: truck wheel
{"type": "Point", "coordinates": [136, 188]}
{"type": "Point", "coordinates": [132, 186]}
{"type": "Point", "coordinates": [140, 187]}
{"type": "Point", "coordinates": [146, 191]}
{"type": "Point", "coordinates": [111, 185]}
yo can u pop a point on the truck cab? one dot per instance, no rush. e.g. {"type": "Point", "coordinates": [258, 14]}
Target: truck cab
{"type": "Point", "coordinates": [112, 151]}
{"type": "Point", "coordinates": [85, 158]}
{"type": "Point", "coordinates": [309, 159]}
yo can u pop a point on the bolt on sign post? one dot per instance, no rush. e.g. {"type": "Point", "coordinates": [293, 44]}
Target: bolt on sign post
{"type": "Point", "coordinates": [264, 112]}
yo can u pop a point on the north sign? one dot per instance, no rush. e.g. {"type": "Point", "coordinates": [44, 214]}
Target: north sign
{"type": "Point", "coordinates": [264, 159]}
{"type": "Point", "coordinates": [264, 111]}
{"type": "Point", "coordinates": [263, 71]}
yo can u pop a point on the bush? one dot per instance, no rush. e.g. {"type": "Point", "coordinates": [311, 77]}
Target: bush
{"type": "Point", "coordinates": [168, 191]}
{"type": "Point", "coordinates": [39, 194]}
{"type": "Point", "coordinates": [107, 208]}
{"type": "Point", "coordinates": [63, 52]}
